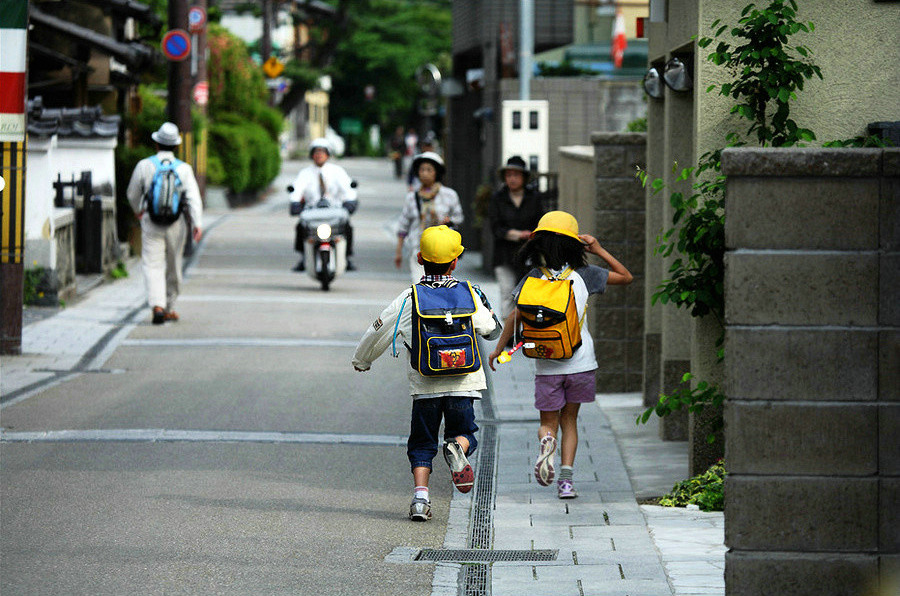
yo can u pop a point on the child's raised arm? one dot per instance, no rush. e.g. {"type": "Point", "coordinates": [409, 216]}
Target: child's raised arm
{"type": "Point", "coordinates": [618, 274]}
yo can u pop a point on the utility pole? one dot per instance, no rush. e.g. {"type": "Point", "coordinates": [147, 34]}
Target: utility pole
{"type": "Point", "coordinates": [526, 47]}
{"type": "Point", "coordinates": [265, 45]}
{"type": "Point", "coordinates": [187, 82]}
{"type": "Point", "coordinates": [180, 79]}
{"type": "Point", "coordinates": [13, 85]}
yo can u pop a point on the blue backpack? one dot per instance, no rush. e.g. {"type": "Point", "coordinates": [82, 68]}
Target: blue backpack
{"type": "Point", "coordinates": [165, 197]}
{"type": "Point", "coordinates": [444, 341]}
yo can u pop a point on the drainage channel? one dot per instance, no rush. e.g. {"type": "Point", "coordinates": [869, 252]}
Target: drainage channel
{"type": "Point", "coordinates": [477, 577]}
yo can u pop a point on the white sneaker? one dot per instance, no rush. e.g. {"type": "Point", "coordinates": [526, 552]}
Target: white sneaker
{"type": "Point", "coordinates": [420, 509]}
{"type": "Point", "coordinates": [543, 467]}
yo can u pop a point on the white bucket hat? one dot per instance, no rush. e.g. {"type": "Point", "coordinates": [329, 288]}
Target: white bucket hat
{"type": "Point", "coordinates": [167, 135]}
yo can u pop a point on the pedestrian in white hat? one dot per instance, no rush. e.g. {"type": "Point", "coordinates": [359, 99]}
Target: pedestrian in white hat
{"type": "Point", "coordinates": [165, 197]}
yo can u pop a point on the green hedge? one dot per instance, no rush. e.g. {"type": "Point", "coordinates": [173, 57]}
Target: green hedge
{"type": "Point", "coordinates": [250, 158]}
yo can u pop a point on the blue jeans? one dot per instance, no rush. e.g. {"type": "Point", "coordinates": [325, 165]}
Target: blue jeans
{"type": "Point", "coordinates": [459, 421]}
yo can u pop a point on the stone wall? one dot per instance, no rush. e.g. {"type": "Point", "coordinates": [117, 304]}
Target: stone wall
{"type": "Point", "coordinates": [812, 358]}
{"type": "Point", "coordinates": [598, 186]}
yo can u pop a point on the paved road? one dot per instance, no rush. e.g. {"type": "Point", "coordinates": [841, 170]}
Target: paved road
{"type": "Point", "coordinates": [214, 509]}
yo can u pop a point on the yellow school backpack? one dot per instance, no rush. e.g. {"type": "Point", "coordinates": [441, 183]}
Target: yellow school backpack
{"type": "Point", "coordinates": [550, 324]}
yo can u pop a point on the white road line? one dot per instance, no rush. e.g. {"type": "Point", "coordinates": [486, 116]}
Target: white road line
{"type": "Point", "coordinates": [218, 342]}
{"type": "Point", "coordinates": [161, 435]}
{"type": "Point", "coordinates": [317, 299]}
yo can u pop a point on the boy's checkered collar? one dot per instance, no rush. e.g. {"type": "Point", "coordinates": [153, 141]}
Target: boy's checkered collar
{"type": "Point", "coordinates": [438, 280]}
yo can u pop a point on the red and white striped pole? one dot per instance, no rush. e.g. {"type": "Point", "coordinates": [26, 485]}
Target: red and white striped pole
{"type": "Point", "coordinates": [13, 85]}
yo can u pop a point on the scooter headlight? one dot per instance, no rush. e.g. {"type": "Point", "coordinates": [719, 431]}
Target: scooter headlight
{"type": "Point", "coordinates": [323, 231]}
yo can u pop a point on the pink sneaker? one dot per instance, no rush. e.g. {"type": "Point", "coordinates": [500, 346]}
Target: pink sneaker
{"type": "Point", "coordinates": [565, 490]}
{"type": "Point", "coordinates": [543, 467]}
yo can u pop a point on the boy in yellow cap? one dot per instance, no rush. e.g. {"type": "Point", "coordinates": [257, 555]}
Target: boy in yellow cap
{"type": "Point", "coordinates": [445, 380]}
{"type": "Point", "coordinates": [556, 251]}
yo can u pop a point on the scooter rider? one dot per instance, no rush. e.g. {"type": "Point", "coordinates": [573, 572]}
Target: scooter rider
{"type": "Point", "coordinates": [321, 179]}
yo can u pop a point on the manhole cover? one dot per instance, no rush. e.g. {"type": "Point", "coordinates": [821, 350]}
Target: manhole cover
{"type": "Point", "coordinates": [474, 555]}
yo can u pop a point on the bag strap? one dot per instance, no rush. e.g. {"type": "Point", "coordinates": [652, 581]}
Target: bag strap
{"type": "Point", "coordinates": [394, 351]}
{"type": "Point", "coordinates": [562, 275]}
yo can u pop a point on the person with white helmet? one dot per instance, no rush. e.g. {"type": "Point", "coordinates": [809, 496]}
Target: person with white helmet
{"type": "Point", "coordinates": [432, 204]}
{"type": "Point", "coordinates": [164, 195]}
{"type": "Point", "coordinates": [322, 179]}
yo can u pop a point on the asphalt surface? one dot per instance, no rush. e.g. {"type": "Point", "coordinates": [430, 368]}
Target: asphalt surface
{"type": "Point", "coordinates": [259, 348]}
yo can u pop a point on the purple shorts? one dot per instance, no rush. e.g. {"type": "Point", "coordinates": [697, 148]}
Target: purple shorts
{"type": "Point", "coordinates": [552, 392]}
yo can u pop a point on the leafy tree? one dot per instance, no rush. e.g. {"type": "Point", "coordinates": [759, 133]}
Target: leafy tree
{"type": "Point", "coordinates": [244, 133]}
{"type": "Point", "coordinates": [386, 41]}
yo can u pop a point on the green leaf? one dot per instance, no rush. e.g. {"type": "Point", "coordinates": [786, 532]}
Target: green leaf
{"type": "Point", "coordinates": [784, 95]}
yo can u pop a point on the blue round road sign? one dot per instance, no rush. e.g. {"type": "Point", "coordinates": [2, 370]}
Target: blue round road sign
{"type": "Point", "coordinates": [196, 19]}
{"type": "Point", "coordinates": [176, 45]}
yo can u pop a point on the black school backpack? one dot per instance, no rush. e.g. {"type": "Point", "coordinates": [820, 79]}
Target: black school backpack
{"type": "Point", "coordinates": [164, 199]}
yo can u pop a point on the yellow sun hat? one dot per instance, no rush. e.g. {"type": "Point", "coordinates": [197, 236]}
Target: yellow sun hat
{"type": "Point", "coordinates": [440, 244]}
{"type": "Point", "coordinates": [559, 222]}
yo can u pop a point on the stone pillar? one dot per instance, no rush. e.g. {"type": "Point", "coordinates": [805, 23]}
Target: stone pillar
{"type": "Point", "coordinates": [705, 366]}
{"type": "Point", "coordinates": [653, 265]}
{"type": "Point", "coordinates": [675, 344]}
{"type": "Point", "coordinates": [618, 223]}
{"type": "Point", "coordinates": [812, 355]}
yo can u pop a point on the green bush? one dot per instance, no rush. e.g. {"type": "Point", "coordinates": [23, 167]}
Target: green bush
{"type": "Point", "coordinates": [247, 156]}
{"type": "Point", "coordinates": [32, 285]}
{"type": "Point", "coordinates": [265, 158]}
{"type": "Point", "coordinates": [227, 144]}
{"type": "Point", "coordinates": [706, 490]}
{"type": "Point", "coordinates": [215, 171]}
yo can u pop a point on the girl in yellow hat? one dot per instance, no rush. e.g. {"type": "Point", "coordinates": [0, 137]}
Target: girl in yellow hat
{"type": "Point", "coordinates": [557, 250]}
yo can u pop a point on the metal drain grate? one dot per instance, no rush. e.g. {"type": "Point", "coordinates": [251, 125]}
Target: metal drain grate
{"type": "Point", "coordinates": [470, 555]}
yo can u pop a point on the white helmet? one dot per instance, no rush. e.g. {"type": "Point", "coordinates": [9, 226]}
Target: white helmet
{"type": "Point", "coordinates": [320, 143]}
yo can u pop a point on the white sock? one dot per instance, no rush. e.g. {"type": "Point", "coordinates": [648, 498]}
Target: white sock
{"type": "Point", "coordinates": [565, 472]}
{"type": "Point", "coordinates": [422, 492]}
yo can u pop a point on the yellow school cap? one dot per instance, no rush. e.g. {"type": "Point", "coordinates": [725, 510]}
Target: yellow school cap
{"type": "Point", "coordinates": [440, 244]}
{"type": "Point", "coordinates": [559, 222]}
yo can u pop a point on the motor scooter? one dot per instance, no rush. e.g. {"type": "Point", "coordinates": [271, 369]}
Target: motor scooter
{"type": "Point", "coordinates": [325, 244]}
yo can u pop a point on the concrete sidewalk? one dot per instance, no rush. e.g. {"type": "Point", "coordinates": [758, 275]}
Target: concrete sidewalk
{"type": "Point", "coordinates": [607, 543]}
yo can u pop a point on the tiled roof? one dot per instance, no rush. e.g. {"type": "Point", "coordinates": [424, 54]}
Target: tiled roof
{"type": "Point", "coordinates": [70, 122]}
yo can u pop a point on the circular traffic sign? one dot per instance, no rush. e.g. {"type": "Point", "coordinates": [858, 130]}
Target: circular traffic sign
{"type": "Point", "coordinates": [176, 45]}
{"type": "Point", "coordinates": [196, 19]}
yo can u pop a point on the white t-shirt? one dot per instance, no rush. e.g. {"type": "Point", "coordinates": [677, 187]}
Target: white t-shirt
{"type": "Point", "coordinates": [587, 280]}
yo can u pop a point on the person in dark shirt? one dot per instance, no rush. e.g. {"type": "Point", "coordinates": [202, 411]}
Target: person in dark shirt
{"type": "Point", "coordinates": [514, 212]}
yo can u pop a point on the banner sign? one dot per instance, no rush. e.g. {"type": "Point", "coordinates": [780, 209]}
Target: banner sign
{"type": "Point", "coordinates": [13, 42]}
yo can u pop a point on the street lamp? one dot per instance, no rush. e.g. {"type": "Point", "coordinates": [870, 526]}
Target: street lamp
{"type": "Point", "coordinates": [652, 84]}
{"type": "Point", "coordinates": [676, 75]}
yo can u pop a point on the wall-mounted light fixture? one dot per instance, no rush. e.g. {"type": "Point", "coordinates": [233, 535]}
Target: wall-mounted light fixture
{"type": "Point", "coordinates": [676, 75]}
{"type": "Point", "coordinates": [653, 84]}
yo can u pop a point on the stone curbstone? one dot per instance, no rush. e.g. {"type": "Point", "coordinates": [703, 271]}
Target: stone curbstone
{"type": "Point", "coordinates": [889, 290]}
{"type": "Point", "coordinates": [753, 574]}
{"type": "Point", "coordinates": [791, 213]}
{"type": "Point", "coordinates": [889, 445]}
{"type": "Point", "coordinates": [772, 513]}
{"type": "Point", "coordinates": [889, 366]}
{"type": "Point", "coordinates": [799, 364]}
{"type": "Point", "coordinates": [801, 439]}
{"type": "Point", "coordinates": [889, 497]}
{"type": "Point", "coordinates": [804, 161]}
{"type": "Point", "coordinates": [620, 193]}
{"type": "Point", "coordinates": [795, 288]}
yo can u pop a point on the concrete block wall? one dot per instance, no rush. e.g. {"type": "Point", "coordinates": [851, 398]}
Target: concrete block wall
{"type": "Point", "coordinates": [812, 358]}
{"type": "Point", "coordinates": [597, 185]}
